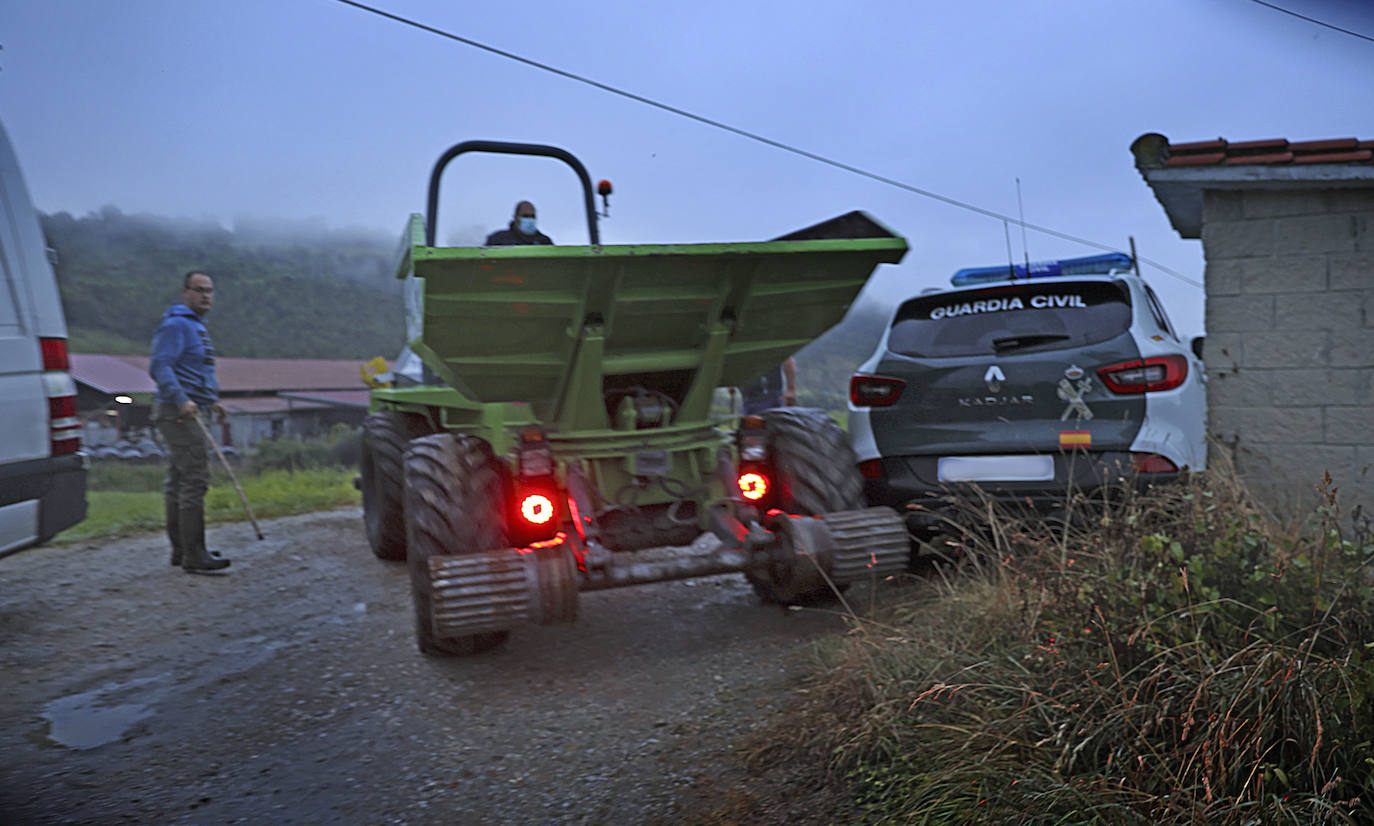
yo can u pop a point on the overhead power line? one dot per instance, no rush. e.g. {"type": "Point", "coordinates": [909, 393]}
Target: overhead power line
{"type": "Point", "coordinates": [1313, 20]}
{"type": "Point", "coordinates": [755, 137]}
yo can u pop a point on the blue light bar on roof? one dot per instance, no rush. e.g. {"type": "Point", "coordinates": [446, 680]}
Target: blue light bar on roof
{"type": "Point", "coordinates": [1088, 265]}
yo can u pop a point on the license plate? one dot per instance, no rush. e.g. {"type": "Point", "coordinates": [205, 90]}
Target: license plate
{"type": "Point", "coordinates": [996, 468]}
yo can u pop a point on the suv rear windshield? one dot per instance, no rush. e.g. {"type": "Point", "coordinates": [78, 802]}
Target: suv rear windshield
{"type": "Point", "coordinates": [1011, 318]}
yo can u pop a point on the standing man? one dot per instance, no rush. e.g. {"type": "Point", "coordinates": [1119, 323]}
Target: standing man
{"type": "Point", "coordinates": [521, 230]}
{"type": "Point", "coordinates": [776, 388]}
{"type": "Point", "coordinates": [183, 365]}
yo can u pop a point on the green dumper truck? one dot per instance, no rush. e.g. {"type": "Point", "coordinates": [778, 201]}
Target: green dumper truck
{"type": "Point", "coordinates": [562, 423]}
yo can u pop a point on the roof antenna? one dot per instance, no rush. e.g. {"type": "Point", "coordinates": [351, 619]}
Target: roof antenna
{"type": "Point", "coordinates": [1011, 268]}
{"type": "Point", "coordinates": [1135, 262]}
{"type": "Point", "coordinates": [1021, 211]}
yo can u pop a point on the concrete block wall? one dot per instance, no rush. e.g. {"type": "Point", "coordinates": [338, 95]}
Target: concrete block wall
{"type": "Point", "coordinates": [1290, 340]}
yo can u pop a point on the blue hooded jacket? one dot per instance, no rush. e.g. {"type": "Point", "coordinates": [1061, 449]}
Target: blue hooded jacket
{"type": "Point", "coordinates": [183, 362]}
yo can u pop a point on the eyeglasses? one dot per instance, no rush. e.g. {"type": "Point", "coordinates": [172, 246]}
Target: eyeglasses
{"type": "Point", "coordinates": [202, 290]}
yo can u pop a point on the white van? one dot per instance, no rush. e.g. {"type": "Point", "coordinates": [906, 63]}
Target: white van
{"type": "Point", "coordinates": [42, 467]}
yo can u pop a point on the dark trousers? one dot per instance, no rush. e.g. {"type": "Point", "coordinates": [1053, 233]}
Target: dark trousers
{"type": "Point", "coordinates": [188, 476]}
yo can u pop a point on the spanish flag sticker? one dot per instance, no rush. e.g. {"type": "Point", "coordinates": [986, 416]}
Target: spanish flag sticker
{"type": "Point", "coordinates": [1076, 438]}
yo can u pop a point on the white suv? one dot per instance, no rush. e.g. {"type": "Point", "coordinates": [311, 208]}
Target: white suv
{"type": "Point", "coordinates": [1027, 386]}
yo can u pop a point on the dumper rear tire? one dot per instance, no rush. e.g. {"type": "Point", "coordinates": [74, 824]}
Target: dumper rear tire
{"type": "Point", "coordinates": [381, 466]}
{"type": "Point", "coordinates": [454, 504]}
{"type": "Point", "coordinates": [816, 474]}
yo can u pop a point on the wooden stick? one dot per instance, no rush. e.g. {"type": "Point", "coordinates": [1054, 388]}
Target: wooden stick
{"type": "Point", "coordinates": [242, 497]}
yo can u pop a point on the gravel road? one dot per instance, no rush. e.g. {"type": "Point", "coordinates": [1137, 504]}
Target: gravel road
{"type": "Point", "coordinates": [290, 691]}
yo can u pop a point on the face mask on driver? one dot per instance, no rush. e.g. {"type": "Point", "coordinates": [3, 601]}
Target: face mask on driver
{"type": "Point", "coordinates": [527, 225]}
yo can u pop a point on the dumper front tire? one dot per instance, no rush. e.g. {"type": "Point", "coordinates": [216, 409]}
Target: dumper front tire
{"type": "Point", "coordinates": [381, 466]}
{"type": "Point", "coordinates": [454, 501]}
{"type": "Point", "coordinates": [816, 474]}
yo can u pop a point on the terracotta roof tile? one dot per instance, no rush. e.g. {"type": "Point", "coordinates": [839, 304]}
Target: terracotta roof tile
{"type": "Point", "coordinates": [1338, 157]}
{"type": "Point", "coordinates": [1326, 145]}
{"type": "Point", "coordinates": [1272, 157]}
{"type": "Point", "coordinates": [1270, 151]}
{"type": "Point", "coordinates": [129, 374]}
{"type": "Point", "coordinates": [1267, 143]}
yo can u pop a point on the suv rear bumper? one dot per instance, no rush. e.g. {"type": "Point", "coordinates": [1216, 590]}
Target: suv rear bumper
{"type": "Point", "coordinates": [914, 480]}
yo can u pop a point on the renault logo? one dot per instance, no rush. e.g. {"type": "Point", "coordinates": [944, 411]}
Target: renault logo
{"type": "Point", "coordinates": [994, 378]}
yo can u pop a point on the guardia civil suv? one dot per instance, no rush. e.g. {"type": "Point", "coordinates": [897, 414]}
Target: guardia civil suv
{"type": "Point", "coordinates": [1029, 383]}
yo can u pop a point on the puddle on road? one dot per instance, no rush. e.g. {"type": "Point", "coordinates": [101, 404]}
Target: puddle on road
{"type": "Point", "coordinates": [89, 719]}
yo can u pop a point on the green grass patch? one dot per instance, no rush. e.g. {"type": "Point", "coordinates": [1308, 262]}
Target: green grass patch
{"type": "Point", "coordinates": [271, 493]}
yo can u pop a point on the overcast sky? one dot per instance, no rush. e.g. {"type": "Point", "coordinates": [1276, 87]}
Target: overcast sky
{"type": "Point", "coordinates": [315, 113]}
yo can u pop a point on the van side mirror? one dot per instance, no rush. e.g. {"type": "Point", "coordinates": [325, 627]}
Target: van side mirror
{"type": "Point", "coordinates": [1196, 344]}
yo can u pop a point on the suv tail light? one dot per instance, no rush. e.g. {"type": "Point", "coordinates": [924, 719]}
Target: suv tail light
{"type": "Point", "coordinates": [871, 469]}
{"type": "Point", "coordinates": [63, 423]}
{"type": "Point", "coordinates": [1151, 463]}
{"type": "Point", "coordinates": [1145, 376]}
{"type": "Point", "coordinates": [874, 391]}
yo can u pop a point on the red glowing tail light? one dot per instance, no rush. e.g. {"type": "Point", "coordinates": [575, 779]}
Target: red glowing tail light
{"type": "Point", "coordinates": [1145, 375]}
{"type": "Point", "coordinates": [64, 425]}
{"type": "Point", "coordinates": [536, 508]}
{"type": "Point", "coordinates": [753, 486]}
{"type": "Point", "coordinates": [55, 354]}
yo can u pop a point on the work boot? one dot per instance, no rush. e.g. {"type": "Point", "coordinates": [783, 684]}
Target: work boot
{"type": "Point", "coordinates": [194, 558]}
{"type": "Point", "coordinates": [174, 530]}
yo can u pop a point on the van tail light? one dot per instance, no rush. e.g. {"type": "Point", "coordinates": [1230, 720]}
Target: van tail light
{"type": "Point", "coordinates": [64, 425]}
{"type": "Point", "coordinates": [874, 391]}
{"type": "Point", "coordinates": [1151, 463]}
{"type": "Point", "coordinates": [1145, 375]}
{"type": "Point", "coordinates": [55, 354]}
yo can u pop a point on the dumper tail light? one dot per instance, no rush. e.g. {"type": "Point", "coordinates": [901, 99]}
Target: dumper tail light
{"type": "Point", "coordinates": [64, 425]}
{"type": "Point", "coordinates": [753, 486]}
{"type": "Point", "coordinates": [536, 508]}
{"type": "Point", "coordinates": [536, 511]}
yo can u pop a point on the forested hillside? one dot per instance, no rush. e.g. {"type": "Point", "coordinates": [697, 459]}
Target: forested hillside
{"type": "Point", "coordinates": [292, 294]}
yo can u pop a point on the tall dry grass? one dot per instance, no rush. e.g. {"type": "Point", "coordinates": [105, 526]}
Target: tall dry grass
{"type": "Point", "coordinates": [1166, 657]}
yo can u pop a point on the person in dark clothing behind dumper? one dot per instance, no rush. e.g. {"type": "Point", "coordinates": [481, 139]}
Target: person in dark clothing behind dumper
{"type": "Point", "coordinates": [520, 231]}
{"type": "Point", "coordinates": [776, 388]}
{"type": "Point", "coordinates": [183, 365]}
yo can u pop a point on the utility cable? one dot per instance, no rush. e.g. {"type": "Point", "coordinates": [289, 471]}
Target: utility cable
{"type": "Point", "coordinates": [1313, 20]}
{"type": "Point", "coordinates": [755, 137]}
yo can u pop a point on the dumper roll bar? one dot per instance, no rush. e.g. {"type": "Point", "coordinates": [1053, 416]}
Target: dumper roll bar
{"type": "Point", "coordinates": [505, 148]}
